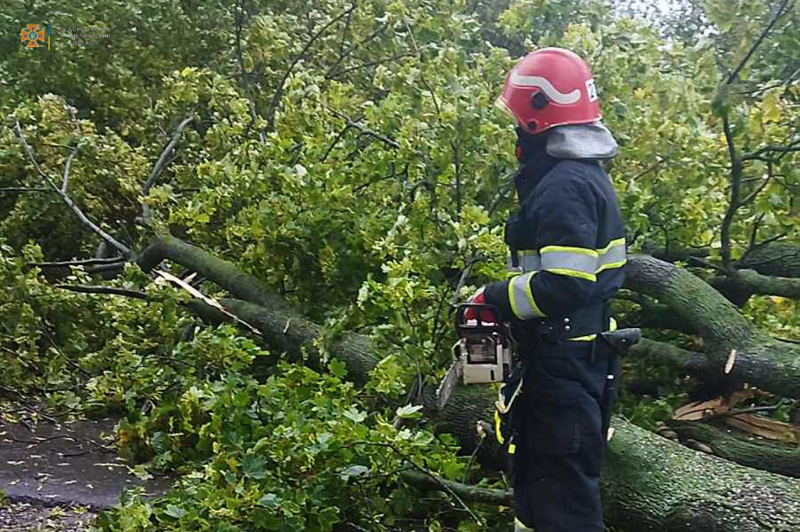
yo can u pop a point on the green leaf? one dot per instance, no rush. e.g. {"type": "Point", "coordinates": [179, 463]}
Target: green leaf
{"type": "Point", "coordinates": [174, 511]}
{"type": "Point", "coordinates": [338, 368]}
{"type": "Point", "coordinates": [410, 412]}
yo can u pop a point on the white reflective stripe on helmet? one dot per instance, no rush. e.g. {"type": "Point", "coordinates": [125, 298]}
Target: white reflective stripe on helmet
{"type": "Point", "coordinates": [520, 296]}
{"type": "Point", "coordinates": [549, 90]}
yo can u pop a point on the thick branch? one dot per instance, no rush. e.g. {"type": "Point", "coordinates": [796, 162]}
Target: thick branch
{"type": "Point", "coordinates": [777, 459]}
{"type": "Point", "coordinates": [777, 259]}
{"type": "Point", "coordinates": [661, 353]}
{"type": "Point", "coordinates": [761, 361]}
{"type": "Point", "coordinates": [751, 282]}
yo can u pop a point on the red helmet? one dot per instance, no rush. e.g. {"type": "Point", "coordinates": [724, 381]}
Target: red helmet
{"type": "Point", "coordinates": [550, 87]}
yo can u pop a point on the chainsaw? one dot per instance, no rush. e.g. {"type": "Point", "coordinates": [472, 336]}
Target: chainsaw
{"type": "Point", "coordinates": [485, 352]}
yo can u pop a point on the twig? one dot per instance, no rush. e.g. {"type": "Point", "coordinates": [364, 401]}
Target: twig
{"type": "Point", "coordinates": [339, 137]}
{"type": "Point", "coordinates": [65, 180]}
{"type": "Point", "coordinates": [364, 129]}
{"type": "Point", "coordinates": [65, 198]}
{"type": "Point", "coordinates": [165, 153]}
{"type": "Point", "coordinates": [507, 185]}
{"type": "Point", "coordinates": [778, 14]}
{"type": "Point", "coordinates": [760, 153]}
{"type": "Point", "coordinates": [245, 83]}
{"type": "Point", "coordinates": [393, 173]}
{"type": "Point", "coordinates": [368, 64]}
{"type": "Point", "coordinates": [733, 206]}
{"type": "Point", "coordinates": [161, 163]}
{"type": "Point", "coordinates": [464, 275]}
{"type": "Point", "coordinates": [84, 262]}
{"type": "Point", "coordinates": [472, 457]}
{"type": "Point", "coordinates": [23, 189]}
{"type": "Point", "coordinates": [752, 410]}
{"type": "Point", "coordinates": [342, 56]}
{"type": "Point", "coordinates": [110, 290]}
{"type": "Point", "coordinates": [276, 97]}
{"type": "Point", "coordinates": [444, 484]}
{"type": "Point", "coordinates": [752, 196]}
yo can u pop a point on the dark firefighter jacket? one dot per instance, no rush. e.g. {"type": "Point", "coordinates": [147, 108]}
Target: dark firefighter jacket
{"type": "Point", "coordinates": [567, 241]}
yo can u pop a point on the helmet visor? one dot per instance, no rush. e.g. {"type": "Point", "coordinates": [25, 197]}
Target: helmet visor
{"type": "Point", "coordinates": [504, 110]}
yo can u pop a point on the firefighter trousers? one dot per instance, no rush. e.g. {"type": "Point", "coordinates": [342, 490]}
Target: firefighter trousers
{"type": "Point", "coordinates": [560, 439]}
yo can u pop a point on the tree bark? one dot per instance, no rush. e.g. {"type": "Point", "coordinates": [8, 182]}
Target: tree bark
{"type": "Point", "coordinates": [650, 484]}
{"type": "Point", "coordinates": [777, 259]}
{"type": "Point", "coordinates": [760, 360]}
{"type": "Point", "coordinates": [661, 353]}
{"type": "Point", "coordinates": [768, 457]}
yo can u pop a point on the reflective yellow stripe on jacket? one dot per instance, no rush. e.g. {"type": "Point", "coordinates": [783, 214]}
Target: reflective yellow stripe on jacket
{"type": "Point", "coordinates": [569, 261]}
{"type": "Point", "coordinates": [520, 295]}
{"type": "Point", "coordinates": [573, 261]}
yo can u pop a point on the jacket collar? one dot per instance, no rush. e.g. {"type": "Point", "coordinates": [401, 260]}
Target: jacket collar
{"type": "Point", "coordinates": [534, 160]}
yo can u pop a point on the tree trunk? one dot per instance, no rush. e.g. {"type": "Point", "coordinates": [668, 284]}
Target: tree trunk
{"type": "Point", "coordinates": [650, 484]}
{"type": "Point", "coordinates": [653, 484]}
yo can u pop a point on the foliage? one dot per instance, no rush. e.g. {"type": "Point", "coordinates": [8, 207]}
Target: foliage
{"type": "Point", "coordinates": [297, 452]}
{"type": "Point", "coordinates": [347, 155]}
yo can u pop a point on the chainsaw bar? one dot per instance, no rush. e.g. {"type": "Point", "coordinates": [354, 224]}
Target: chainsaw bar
{"type": "Point", "coordinates": [447, 385]}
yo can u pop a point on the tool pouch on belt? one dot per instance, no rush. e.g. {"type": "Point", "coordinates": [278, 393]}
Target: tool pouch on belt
{"type": "Point", "coordinates": [609, 346]}
{"type": "Point", "coordinates": [504, 412]}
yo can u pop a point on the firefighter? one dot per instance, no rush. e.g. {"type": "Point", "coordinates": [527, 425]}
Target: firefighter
{"type": "Point", "coordinates": [567, 250]}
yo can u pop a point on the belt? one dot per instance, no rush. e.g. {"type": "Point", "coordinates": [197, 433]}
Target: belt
{"type": "Point", "coordinates": [581, 324]}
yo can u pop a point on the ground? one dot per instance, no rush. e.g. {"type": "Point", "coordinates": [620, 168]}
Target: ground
{"type": "Point", "coordinates": [57, 476]}
{"type": "Point", "coordinates": [30, 517]}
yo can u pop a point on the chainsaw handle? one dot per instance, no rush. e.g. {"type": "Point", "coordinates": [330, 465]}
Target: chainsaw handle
{"type": "Point", "coordinates": [461, 321]}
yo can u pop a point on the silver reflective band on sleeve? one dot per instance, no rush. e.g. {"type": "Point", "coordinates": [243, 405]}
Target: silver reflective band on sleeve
{"type": "Point", "coordinates": [567, 260]}
{"type": "Point", "coordinates": [613, 256]}
{"type": "Point", "coordinates": [572, 261]}
{"type": "Point", "coordinates": [528, 260]}
{"type": "Point", "coordinates": [520, 296]}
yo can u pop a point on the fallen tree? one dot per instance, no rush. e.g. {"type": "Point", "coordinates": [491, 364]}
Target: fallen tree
{"type": "Point", "coordinates": [651, 483]}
